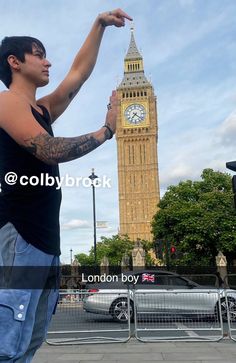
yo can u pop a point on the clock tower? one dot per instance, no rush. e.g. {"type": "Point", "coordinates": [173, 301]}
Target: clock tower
{"type": "Point", "coordinates": [136, 137]}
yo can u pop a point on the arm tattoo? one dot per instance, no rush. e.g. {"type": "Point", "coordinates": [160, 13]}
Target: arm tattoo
{"type": "Point", "coordinates": [74, 93]}
{"type": "Point", "coordinates": [54, 150]}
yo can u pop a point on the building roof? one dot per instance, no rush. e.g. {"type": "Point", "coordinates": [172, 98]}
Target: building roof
{"type": "Point", "coordinates": [133, 52]}
{"type": "Point", "coordinates": [134, 78]}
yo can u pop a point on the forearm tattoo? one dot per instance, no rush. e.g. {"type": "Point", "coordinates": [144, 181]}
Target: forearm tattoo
{"type": "Point", "coordinates": [54, 150]}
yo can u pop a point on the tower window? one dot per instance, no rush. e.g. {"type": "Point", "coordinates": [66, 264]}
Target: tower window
{"type": "Point", "coordinates": [145, 93]}
{"type": "Point", "coordinates": [137, 94]}
{"type": "Point", "coordinates": [141, 93]}
{"type": "Point", "coordinates": [129, 155]}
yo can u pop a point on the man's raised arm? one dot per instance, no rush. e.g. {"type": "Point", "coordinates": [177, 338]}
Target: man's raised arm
{"type": "Point", "coordinates": [83, 64]}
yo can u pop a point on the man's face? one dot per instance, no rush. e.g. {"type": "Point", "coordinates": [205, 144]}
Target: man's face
{"type": "Point", "coordinates": [36, 67]}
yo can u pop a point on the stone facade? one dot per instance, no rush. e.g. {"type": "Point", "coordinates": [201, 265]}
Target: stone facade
{"type": "Point", "coordinates": [136, 138]}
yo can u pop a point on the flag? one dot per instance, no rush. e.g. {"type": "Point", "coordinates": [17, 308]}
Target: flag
{"type": "Point", "coordinates": [148, 277]}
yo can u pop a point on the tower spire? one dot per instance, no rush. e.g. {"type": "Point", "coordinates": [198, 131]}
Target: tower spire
{"type": "Point", "coordinates": [133, 52]}
{"type": "Point", "coordinates": [133, 66]}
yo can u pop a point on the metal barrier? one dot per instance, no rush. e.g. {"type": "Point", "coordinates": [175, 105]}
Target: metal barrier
{"type": "Point", "coordinates": [174, 315]}
{"type": "Point", "coordinates": [230, 281]}
{"type": "Point", "coordinates": [230, 301]}
{"type": "Point", "coordinates": [84, 317]}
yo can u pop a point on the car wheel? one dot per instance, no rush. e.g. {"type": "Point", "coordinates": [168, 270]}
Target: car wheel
{"type": "Point", "coordinates": [232, 309]}
{"type": "Point", "coordinates": [119, 310]}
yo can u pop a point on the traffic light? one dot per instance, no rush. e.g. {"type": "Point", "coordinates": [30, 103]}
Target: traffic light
{"type": "Point", "coordinates": [173, 252]}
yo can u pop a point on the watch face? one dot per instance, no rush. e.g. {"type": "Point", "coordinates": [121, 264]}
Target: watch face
{"type": "Point", "coordinates": [135, 114]}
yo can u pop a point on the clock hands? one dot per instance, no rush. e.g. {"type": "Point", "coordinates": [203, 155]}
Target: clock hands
{"type": "Point", "coordinates": [135, 114]}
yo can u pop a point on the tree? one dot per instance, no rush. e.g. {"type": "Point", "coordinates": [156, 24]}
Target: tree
{"type": "Point", "coordinates": [114, 249]}
{"type": "Point", "coordinates": [199, 218]}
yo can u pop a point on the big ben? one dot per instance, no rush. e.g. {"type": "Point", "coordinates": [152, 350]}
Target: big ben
{"type": "Point", "coordinates": [137, 148]}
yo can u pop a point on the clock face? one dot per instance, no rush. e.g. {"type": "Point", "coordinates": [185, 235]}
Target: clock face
{"type": "Point", "coordinates": [135, 114]}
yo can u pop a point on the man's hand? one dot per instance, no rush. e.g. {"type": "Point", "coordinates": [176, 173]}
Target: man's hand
{"type": "Point", "coordinates": [112, 112]}
{"type": "Point", "coordinates": [115, 17]}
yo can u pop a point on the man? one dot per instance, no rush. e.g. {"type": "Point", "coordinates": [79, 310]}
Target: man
{"type": "Point", "coordinates": [29, 214]}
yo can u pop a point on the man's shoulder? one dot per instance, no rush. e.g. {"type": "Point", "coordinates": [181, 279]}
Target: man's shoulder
{"type": "Point", "coordinates": [11, 106]}
{"type": "Point", "coordinates": [4, 94]}
{"type": "Point", "coordinates": [10, 99]}
{"type": "Point", "coordinates": [6, 97]}
{"type": "Point", "coordinates": [6, 102]}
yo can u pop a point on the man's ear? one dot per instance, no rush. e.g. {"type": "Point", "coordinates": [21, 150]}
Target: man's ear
{"type": "Point", "coordinates": [13, 62]}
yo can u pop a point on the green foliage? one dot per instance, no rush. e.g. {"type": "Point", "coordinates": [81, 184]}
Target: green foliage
{"type": "Point", "coordinates": [85, 260]}
{"type": "Point", "coordinates": [199, 219]}
{"type": "Point", "coordinates": [114, 249]}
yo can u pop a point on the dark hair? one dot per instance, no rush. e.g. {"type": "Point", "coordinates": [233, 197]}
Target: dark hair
{"type": "Point", "coordinates": [17, 46]}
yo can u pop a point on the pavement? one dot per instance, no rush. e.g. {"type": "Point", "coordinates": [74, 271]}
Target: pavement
{"type": "Point", "coordinates": [135, 351]}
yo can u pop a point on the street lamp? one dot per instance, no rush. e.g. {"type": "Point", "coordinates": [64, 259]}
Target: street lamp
{"type": "Point", "coordinates": [71, 260]}
{"type": "Point", "coordinates": [93, 177]}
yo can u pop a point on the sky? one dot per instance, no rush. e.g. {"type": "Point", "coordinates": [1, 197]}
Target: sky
{"type": "Point", "coordinates": [189, 52]}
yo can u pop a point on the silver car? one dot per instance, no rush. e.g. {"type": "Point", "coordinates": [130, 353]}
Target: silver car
{"type": "Point", "coordinates": [176, 299]}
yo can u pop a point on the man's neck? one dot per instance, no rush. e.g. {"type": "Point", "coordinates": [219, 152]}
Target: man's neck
{"type": "Point", "coordinates": [25, 91]}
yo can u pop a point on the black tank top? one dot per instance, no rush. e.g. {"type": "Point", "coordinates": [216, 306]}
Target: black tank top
{"type": "Point", "coordinates": [33, 210]}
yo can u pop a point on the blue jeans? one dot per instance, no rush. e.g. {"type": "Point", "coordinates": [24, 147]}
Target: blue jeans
{"type": "Point", "coordinates": [25, 313]}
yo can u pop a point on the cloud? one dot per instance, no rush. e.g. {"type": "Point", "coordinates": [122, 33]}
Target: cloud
{"type": "Point", "coordinates": [227, 131]}
{"type": "Point", "coordinates": [75, 224]}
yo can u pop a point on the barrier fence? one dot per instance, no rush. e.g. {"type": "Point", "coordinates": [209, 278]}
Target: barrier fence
{"type": "Point", "coordinates": [178, 315]}
{"type": "Point", "coordinates": [231, 312]}
{"type": "Point", "coordinates": [72, 324]}
{"type": "Point", "coordinates": [103, 316]}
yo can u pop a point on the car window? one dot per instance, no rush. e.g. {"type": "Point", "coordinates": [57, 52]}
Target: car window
{"type": "Point", "coordinates": [151, 279]}
{"type": "Point", "coordinates": [176, 281]}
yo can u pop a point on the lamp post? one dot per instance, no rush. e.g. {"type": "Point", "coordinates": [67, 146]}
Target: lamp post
{"type": "Point", "coordinates": [71, 251]}
{"type": "Point", "coordinates": [93, 177]}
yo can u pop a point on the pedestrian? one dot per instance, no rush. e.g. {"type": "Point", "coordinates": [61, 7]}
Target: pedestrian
{"type": "Point", "coordinates": [29, 214]}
